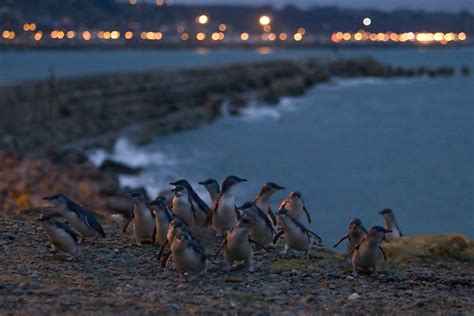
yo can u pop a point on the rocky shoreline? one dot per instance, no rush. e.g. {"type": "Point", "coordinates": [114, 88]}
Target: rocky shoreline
{"type": "Point", "coordinates": [423, 274]}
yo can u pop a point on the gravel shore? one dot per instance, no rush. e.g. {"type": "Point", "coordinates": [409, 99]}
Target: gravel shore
{"type": "Point", "coordinates": [113, 276]}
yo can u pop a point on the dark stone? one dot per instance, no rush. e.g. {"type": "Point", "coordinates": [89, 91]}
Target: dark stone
{"type": "Point", "coordinates": [118, 168]}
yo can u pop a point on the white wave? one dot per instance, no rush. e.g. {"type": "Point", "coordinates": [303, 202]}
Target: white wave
{"type": "Point", "coordinates": [257, 111]}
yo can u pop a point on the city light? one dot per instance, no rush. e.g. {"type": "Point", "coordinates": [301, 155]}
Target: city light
{"type": "Point", "coordinates": [367, 21]}
{"type": "Point", "coordinates": [71, 34]}
{"type": "Point", "coordinates": [222, 27]}
{"type": "Point", "coordinates": [202, 19]}
{"type": "Point", "coordinates": [86, 35]}
{"type": "Point", "coordinates": [298, 37]}
{"type": "Point", "coordinates": [267, 28]}
{"type": "Point", "coordinates": [133, 2]}
{"type": "Point", "coordinates": [215, 36]}
{"type": "Point", "coordinates": [302, 30]}
{"type": "Point", "coordinates": [128, 35]}
{"type": "Point", "coordinates": [200, 36]}
{"type": "Point", "coordinates": [264, 20]}
{"type": "Point", "coordinates": [419, 37]}
{"type": "Point", "coordinates": [184, 36]}
{"type": "Point", "coordinates": [38, 36]}
{"type": "Point", "coordinates": [283, 36]}
{"type": "Point", "coordinates": [244, 36]}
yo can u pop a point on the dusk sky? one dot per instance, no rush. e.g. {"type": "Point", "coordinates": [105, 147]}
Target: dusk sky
{"type": "Point", "coordinates": [437, 5]}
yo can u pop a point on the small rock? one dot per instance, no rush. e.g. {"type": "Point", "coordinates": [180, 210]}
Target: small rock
{"type": "Point", "coordinates": [353, 296]}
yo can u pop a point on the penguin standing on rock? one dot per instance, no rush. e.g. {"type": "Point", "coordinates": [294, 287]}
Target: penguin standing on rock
{"type": "Point", "coordinates": [295, 206]}
{"type": "Point", "coordinates": [199, 208]}
{"type": "Point", "coordinates": [212, 186]}
{"type": "Point", "coordinates": [188, 254]}
{"type": "Point", "coordinates": [79, 217]}
{"type": "Point", "coordinates": [238, 245]}
{"type": "Point", "coordinates": [365, 254]}
{"type": "Point", "coordinates": [60, 235]}
{"type": "Point", "coordinates": [163, 217]}
{"type": "Point", "coordinates": [176, 226]}
{"type": "Point", "coordinates": [225, 214]}
{"type": "Point", "coordinates": [182, 206]}
{"type": "Point", "coordinates": [263, 198]}
{"type": "Point", "coordinates": [262, 231]}
{"type": "Point", "coordinates": [144, 229]}
{"type": "Point", "coordinates": [297, 236]}
{"type": "Point", "coordinates": [390, 224]}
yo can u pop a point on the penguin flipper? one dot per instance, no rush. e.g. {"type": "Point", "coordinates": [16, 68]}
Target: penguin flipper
{"type": "Point", "coordinates": [272, 216]}
{"type": "Point", "coordinates": [92, 222]}
{"type": "Point", "coordinates": [307, 213]}
{"type": "Point", "coordinates": [340, 240]}
{"type": "Point", "coordinates": [356, 246]}
{"type": "Point", "coordinates": [237, 213]}
{"type": "Point", "coordinates": [277, 236]}
{"type": "Point", "coordinates": [129, 221]}
{"type": "Point", "coordinates": [220, 247]}
{"type": "Point", "coordinates": [162, 249]}
{"type": "Point", "coordinates": [401, 235]}
{"type": "Point", "coordinates": [259, 244]}
{"type": "Point", "coordinates": [383, 253]}
{"type": "Point", "coordinates": [154, 234]}
{"type": "Point", "coordinates": [165, 259]}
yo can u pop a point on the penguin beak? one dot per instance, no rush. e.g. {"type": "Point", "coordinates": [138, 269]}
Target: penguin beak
{"type": "Point", "coordinates": [48, 198]}
{"type": "Point", "coordinates": [202, 183]}
{"type": "Point", "coordinates": [241, 180]}
{"type": "Point", "coordinates": [279, 187]}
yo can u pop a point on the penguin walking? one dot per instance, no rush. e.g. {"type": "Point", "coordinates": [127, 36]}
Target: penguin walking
{"type": "Point", "coordinates": [355, 233]}
{"type": "Point", "coordinates": [238, 245]}
{"type": "Point", "coordinates": [189, 255]}
{"type": "Point", "coordinates": [176, 226]}
{"type": "Point", "coordinates": [225, 213]}
{"type": "Point", "coordinates": [199, 208]}
{"type": "Point", "coordinates": [295, 206]}
{"type": "Point", "coordinates": [365, 254]}
{"type": "Point", "coordinates": [212, 186]}
{"type": "Point", "coordinates": [262, 231]}
{"type": "Point", "coordinates": [390, 224]}
{"type": "Point", "coordinates": [61, 236]}
{"type": "Point", "coordinates": [79, 217]}
{"type": "Point", "coordinates": [144, 229]}
{"type": "Point", "coordinates": [263, 198]}
{"type": "Point", "coordinates": [297, 236]}
{"type": "Point", "coordinates": [163, 217]}
{"type": "Point", "coordinates": [182, 206]}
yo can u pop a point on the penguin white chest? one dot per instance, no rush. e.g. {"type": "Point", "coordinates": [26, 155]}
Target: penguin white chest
{"type": "Point", "coordinates": [295, 238]}
{"type": "Point", "coordinates": [182, 208]}
{"type": "Point", "coordinates": [188, 260]}
{"type": "Point", "coordinates": [225, 217]}
{"type": "Point", "coordinates": [144, 224]}
{"type": "Point", "coordinates": [61, 239]}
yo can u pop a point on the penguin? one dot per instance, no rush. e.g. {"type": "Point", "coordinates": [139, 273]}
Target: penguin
{"type": "Point", "coordinates": [238, 245]}
{"type": "Point", "coordinates": [262, 231]}
{"type": "Point", "coordinates": [144, 229]}
{"type": "Point", "coordinates": [295, 206]}
{"type": "Point", "coordinates": [225, 214]}
{"type": "Point", "coordinates": [189, 255]}
{"type": "Point", "coordinates": [176, 225]}
{"type": "Point", "coordinates": [390, 224]}
{"type": "Point", "coordinates": [355, 233]}
{"type": "Point", "coordinates": [263, 198]}
{"type": "Point", "coordinates": [163, 217]}
{"type": "Point", "coordinates": [199, 208]}
{"type": "Point", "coordinates": [212, 186]}
{"type": "Point", "coordinates": [61, 236]}
{"type": "Point", "coordinates": [365, 254]}
{"type": "Point", "coordinates": [297, 236]}
{"type": "Point", "coordinates": [79, 217]}
{"type": "Point", "coordinates": [182, 206]}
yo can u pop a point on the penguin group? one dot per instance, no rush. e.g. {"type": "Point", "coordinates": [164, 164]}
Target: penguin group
{"type": "Point", "coordinates": [176, 224]}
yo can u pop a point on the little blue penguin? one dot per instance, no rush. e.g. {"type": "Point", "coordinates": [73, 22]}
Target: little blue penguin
{"type": "Point", "coordinates": [354, 235]}
{"type": "Point", "coordinates": [61, 236]}
{"type": "Point", "coordinates": [297, 236]}
{"type": "Point", "coordinates": [182, 206]}
{"type": "Point", "coordinates": [212, 186]}
{"type": "Point", "coordinates": [263, 198]}
{"type": "Point", "coordinates": [163, 217]}
{"type": "Point", "coordinates": [144, 229]}
{"type": "Point", "coordinates": [79, 217]}
{"type": "Point", "coordinates": [225, 214]}
{"type": "Point", "coordinates": [295, 206]}
{"type": "Point", "coordinates": [262, 231]}
{"type": "Point", "coordinates": [390, 224]}
{"type": "Point", "coordinates": [199, 208]}
{"type": "Point", "coordinates": [365, 254]}
{"type": "Point", "coordinates": [188, 254]}
{"type": "Point", "coordinates": [176, 225]}
{"type": "Point", "coordinates": [238, 245]}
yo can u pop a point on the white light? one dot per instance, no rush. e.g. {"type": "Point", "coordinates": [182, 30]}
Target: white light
{"type": "Point", "coordinates": [367, 21]}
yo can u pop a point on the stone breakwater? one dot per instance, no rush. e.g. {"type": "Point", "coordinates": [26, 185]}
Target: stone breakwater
{"type": "Point", "coordinates": [93, 111]}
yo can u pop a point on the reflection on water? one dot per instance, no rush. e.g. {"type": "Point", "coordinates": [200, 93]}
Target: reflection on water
{"type": "Point", "coordinates": [264, 50]}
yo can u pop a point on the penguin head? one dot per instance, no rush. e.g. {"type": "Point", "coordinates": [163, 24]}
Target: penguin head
{"type": "Point", "coordinates": [211, 185]}
{"type": "Point", "coordinates": [246, 206]}
{"type": "Point", "coordinates": [182, 182]}
{"type": "Point", "coordinates": [137, 195]}
{"type": "Point", "coordinates": [386, 211]}
{"type": "Point", "coordinates": [354, 223]}
{"type": "Point", "coordinates": [294, 196]}
{"type": "Point", "coordinates": [57, 199]}
{"type": "Point", "coordinates": [269, 188]}
{"type": "Point", "coordinates": [231, 181]}
{"type": "Point", "coordinates": [158, 204]}
{"type": "Point", "coordinates": [178, 191]}
{"type": "Point", "coordinates": [378, 232]}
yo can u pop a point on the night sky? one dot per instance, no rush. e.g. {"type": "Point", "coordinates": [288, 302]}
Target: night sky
{"type": "Point", "coordinates": [429, 5]}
